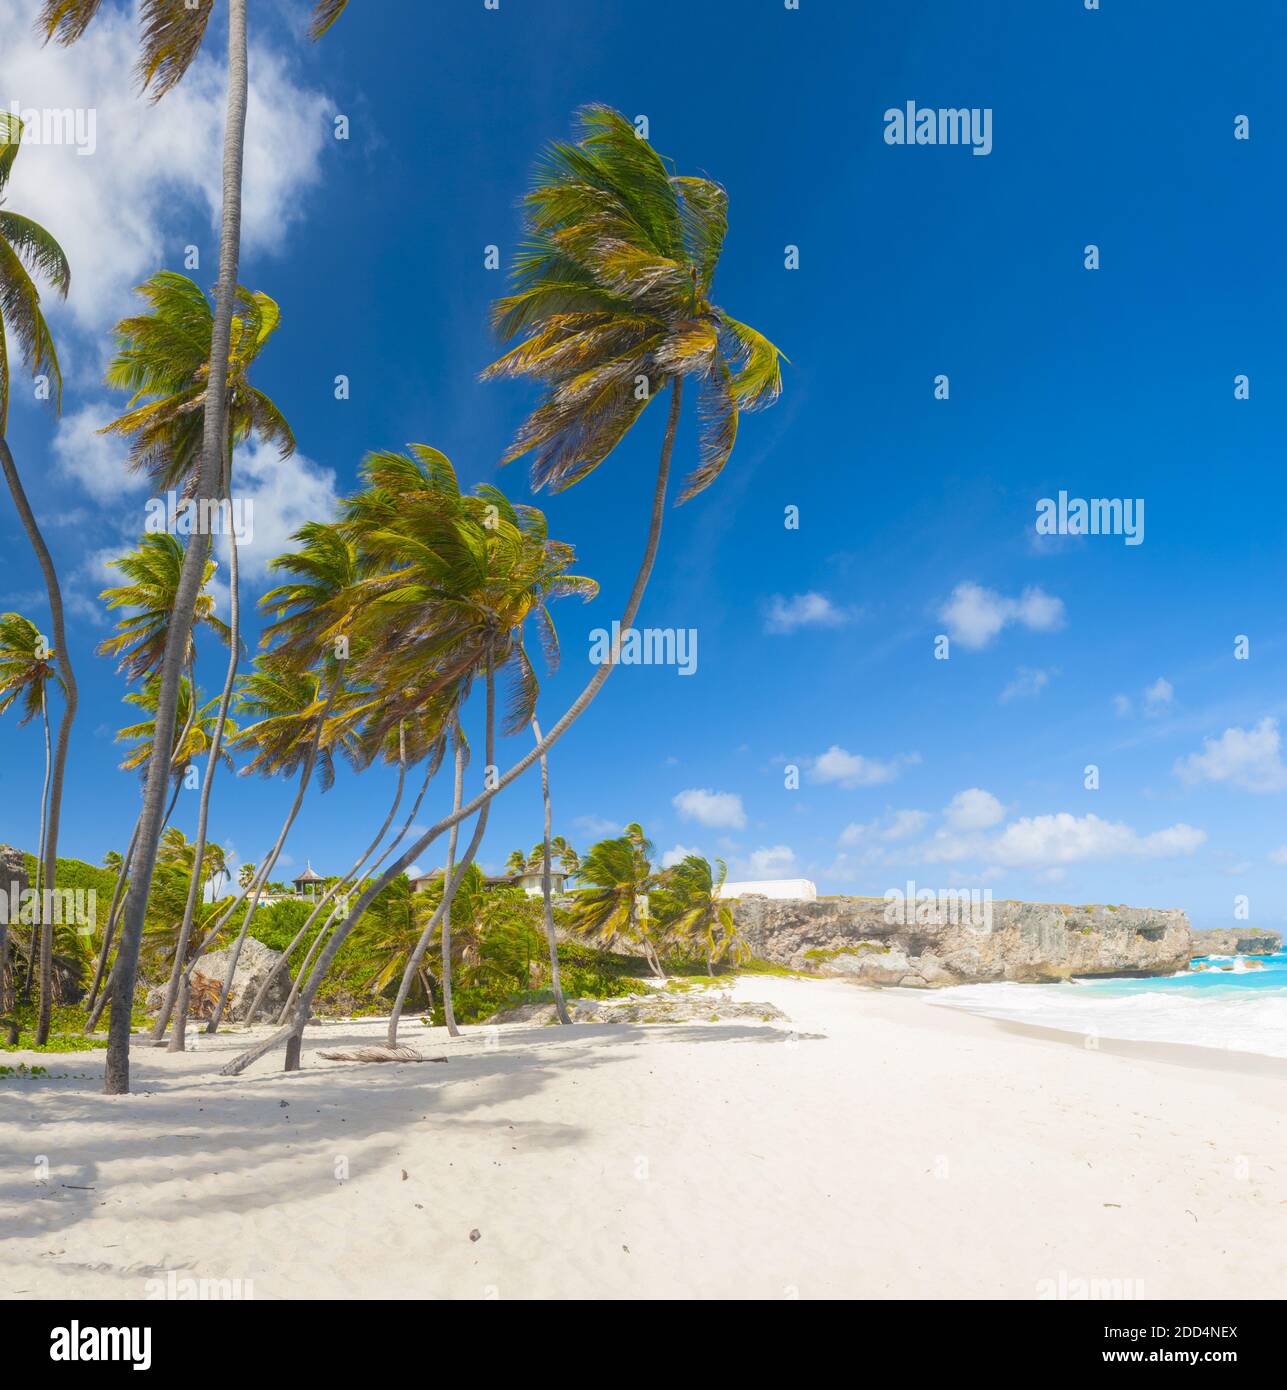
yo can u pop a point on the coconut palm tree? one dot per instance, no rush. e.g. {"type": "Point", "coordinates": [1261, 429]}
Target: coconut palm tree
{"type": "Point", "coordinates": [27, 669]}
{"type": "Point", "coordinates": [27, 250]}
{"type": "Point", "coordinates": [516, 863]}
{"type": "Point", "coordinates": [613, 305]}
{"type": "Point", "coordinates": [612, 905]}
{"type": "Point", "coordinates": [690, 908]}
{"type": "Point", "coordinates": [246, 875]}
{"type": "Point", "coordinates": [547, 849]}
{"type": "Point", "coordinates": [152, 569]}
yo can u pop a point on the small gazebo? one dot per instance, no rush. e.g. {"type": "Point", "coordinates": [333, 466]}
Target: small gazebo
{"type": "Point", "coordinates": [306, 885]}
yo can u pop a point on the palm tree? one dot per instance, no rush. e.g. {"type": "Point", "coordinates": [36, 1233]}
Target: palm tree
{"type": "Point", "coordinates": [691, 908]}
{"type": "Point", "coordinates": [26, 670]}
{"type": "Point", "coordinates": [26, 248]}
{"type": "Point", "coordinates": [516, 863]}
{"type": "Point", "coordinates": [547, 849]}
{"type": "Point", "coordinates": [163, 361]}
{"type": "Point", "coordinates": [612, 905]}
{"type": "Point", "coordinates": [246, 875]}
{"type": "Point", "coordinates": [152, 569]}
{"type": "Point", "coordinates": [291, 735]}
{"type": "Point", "coordinates": [613, 305]}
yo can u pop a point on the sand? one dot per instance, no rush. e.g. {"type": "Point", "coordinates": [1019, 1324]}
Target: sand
{"type": "Point", "coordinates": [879, 1146]}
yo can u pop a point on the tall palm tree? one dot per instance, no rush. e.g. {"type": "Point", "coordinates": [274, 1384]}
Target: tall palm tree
{"type": "Point", "coordinates": [27, 249]}
{"type": "Point", "coordinates": [152, 569]}
{"type": "Point", "coordinates": [690, 907]}
{"type": "Point", "coordinates": [246, 875]}
{"type": "Point", "coordinates": [163, 361]}
{"type": "Point", "coordinates": [546, 855]}
{"type": "Point", "coordinates": [27, 669]}
{"type": "Point", "coordinates": [612, 905]}
{"type": "Point", "coordinates": [614, 237]}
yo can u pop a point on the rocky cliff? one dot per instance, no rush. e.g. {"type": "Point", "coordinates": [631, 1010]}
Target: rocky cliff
{"type": "Point", "coordinates": [1233, 941]}
{"type": "Point", "coordinates": [943, 946]}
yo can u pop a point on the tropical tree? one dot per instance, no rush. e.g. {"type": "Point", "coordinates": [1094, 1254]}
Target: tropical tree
{"type": "Point", "coordinates": [152, 570]}
{"type": "Point", "coordinates": [163, 361]}
{"type": "Point", "coordinates": [690, 908]}
{"type": "Point", "coordinates": [612, 304]}
{"type": "Point", "coordinates": [517, 862]}
{"type": "Point", "coordinates": [27, 250]}
{"type": "Point", "coordinates": [246, 875]}
{"type": "Point", "coordinates": [612, 905]}
{"type": "Point", "coordinates": [27, 669]}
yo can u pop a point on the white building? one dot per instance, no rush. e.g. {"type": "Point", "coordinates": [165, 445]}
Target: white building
{"type": "Point", "coordinates": [800, 889]}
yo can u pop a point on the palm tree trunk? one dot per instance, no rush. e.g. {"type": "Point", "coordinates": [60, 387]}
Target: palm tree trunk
{"type": "Point", "coordinates": [305, 775]}
{"type": "Point", "coordinates": [44, 905]}
{"type": "Point", "coordinates": [574, 712]}
{"type": "Point", "coordinates": [212, 765]}
{"type": "Point", "coordinates": [338, 885]}
{"type": "Point", "coordinates": [36, 943]}
{"type": "Point", "coordinates": [444, 915]}
{"type": "Point", "coordinates": [560, 1007]}
{"type": "Point", "coordinates": [179, 1033]}
{"type": "Point", "coordinates": [110, 929]}
{"type": "Point", "coordinates": [116, 1071]}
{"type": "Point", "coordinates": [302, 973]}
{"type": "Point", "coordinates": [49, 855]}
{"type": "Point", "coordinates": [450, 883]}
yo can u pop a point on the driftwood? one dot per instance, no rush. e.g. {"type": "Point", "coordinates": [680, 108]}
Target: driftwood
{"type": "Point", "coordinates": [379, 1054]}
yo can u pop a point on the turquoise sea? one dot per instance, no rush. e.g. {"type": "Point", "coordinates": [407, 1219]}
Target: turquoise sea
{"type": "Point", "coordinates": [1238, 1004]}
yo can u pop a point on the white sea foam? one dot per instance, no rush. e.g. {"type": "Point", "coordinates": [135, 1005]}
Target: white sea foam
{"type": "Point", "coordinates": [1236, 1018]}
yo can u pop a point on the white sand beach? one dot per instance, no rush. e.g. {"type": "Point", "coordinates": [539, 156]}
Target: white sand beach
{"type": "Point", "coordinates": [878, 1147]}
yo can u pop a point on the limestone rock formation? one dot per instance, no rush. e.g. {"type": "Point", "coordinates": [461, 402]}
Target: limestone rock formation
{"type": "Point", "coordinates": [1235, 941]}
{"type": "Point", "coordinates": [940, 945]}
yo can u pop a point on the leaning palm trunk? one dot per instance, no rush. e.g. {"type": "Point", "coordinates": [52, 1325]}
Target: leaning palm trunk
{"type": "Point", "coordinates": [338, 886]}
{"type": "Point", "coordinates": [302, 974]}
{"type": "Point", "coordinates": [41, 915]}
{"type": "Point", "coordinates": [574, 712]}
{"type": "Point", "coordinates": [265, 873]}
{"type": "Point", "coordinates": [116, 1072]}
{"type": "Point", "coordinates": [45, 561]}
{"type": "Point", "coordinates": [110, 929]}
{"type": "Point", "coordinates": [441, 914]}
{"type": "Point", "coordinates": [212, 765]}
{"type": "Point", "coordinates": [551, 937]}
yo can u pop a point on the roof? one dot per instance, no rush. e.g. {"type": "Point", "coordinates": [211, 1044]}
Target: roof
{"type": "Point", "coordinates": [308, 876]}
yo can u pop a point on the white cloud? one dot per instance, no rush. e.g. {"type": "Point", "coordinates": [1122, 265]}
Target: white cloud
{"type": "Point", "coordinates": [284, 493]}
{"type": "Point", "coordinates": [1279, 855]}
{"type": "Point", "coordinates": [802, 610]}
{"type": "Point", "coordinates": [1067, 839]}
{"type": "Point", "coordinates": [598, 826]}
{"type": "Point", "coordinates": [96, 461]}
{"type": "Point", "coordinates": [899, 825]}
{"type": "Point", "coordinates": [675, 854]}
{"type": "Point", "coordinates": [973, 809]}
{"type": "Point", "coordinates": [128, 207]}
{"type": "Point", "coordinates": [853, 770]}
{"type": "Point", "coordinates": [1247, 758]}
{"type": "Point", "coordinates": [706, 807]}
{"type": "Point", "coordinates": [770, 861]}
{"type": "Point", "coordinates": [1025, 682]}
{"type": "Point", "coordinates": [1158, 696]}
{"type": "Point", "coordinates": [1122, 705]}
{"type": "Point", "coordinates": [975, 615]}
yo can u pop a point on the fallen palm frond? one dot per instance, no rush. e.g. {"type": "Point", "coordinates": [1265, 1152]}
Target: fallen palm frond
{"type": "Point", "coordinates": [379, 1054]}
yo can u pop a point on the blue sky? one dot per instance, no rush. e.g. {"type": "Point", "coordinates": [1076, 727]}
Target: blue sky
{"type": "Point", "coordinates": [816, 645]}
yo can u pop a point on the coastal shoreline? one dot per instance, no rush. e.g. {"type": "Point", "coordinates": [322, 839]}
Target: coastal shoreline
{"type": "Point", "coordinates": [876, 1146]}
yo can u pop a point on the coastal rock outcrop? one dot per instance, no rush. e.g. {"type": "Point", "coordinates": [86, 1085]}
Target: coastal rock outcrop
{"type": "Point", "coordinates": [1236, 941]}
{"type": "Point", "coordinates": [941, 945]}
{"type": "Point", "coordinates": [253, 966]}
